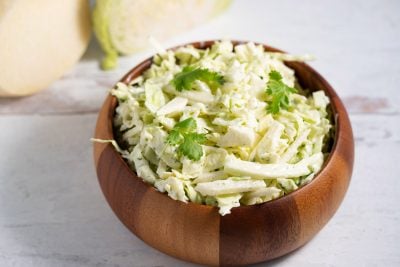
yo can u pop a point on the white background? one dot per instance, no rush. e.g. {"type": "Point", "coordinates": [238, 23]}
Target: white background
{"type": "Point", "coordinates": [52, 212]}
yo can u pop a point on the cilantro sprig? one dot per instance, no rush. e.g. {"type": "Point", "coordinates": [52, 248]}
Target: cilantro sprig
{"type": "Point", "coordinates": [279, 91]}
{"type": "Point", "coordinates": [188, 141]}
{"type": "Point", "coordinates": [184, 79]}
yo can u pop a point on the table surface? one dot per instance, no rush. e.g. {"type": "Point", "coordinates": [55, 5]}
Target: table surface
{"type": "Point", "coordinates": [52, 212]}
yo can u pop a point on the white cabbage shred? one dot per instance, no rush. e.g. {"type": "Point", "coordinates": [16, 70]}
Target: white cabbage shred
{"type": "Point", "coordinates": [251, 156]}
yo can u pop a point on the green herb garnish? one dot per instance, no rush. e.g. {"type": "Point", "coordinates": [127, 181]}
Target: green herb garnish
{"type": "Point", "coordinates": [279, 91]}
{"type": "Point", "coordinates": [188, 141]}
{"type": "Point", "coordinates": [189, 74]}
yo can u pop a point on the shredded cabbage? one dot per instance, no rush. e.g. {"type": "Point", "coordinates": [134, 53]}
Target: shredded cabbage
{"type": "Point", "coordinates": [251, 156]}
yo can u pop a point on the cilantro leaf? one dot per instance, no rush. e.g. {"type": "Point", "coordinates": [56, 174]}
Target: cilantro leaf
{"type": "Point", "coordinates": [190, 149]}
{"type": "Point", "coordinates": [189, 74]}
{"type": "Point", "coordinates": [275, 75]}
{"type": "Point", "coordinates": [196, 137]}
{"type": "Point", "coordinates": [174, 138]}
{"type": "Point", "coordinates": [188, 141]}
{"type": "Point", "coordinates": [188, 125]}
{"type": "Point", "coordinates": [279, 92]}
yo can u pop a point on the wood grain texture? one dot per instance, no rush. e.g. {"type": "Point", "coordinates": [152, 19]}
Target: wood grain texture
{"type": "Point", "coordinates": [250, 234]}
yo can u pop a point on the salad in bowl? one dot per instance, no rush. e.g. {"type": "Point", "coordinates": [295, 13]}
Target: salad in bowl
{"type": "Point", "coordinates": [223, 126]}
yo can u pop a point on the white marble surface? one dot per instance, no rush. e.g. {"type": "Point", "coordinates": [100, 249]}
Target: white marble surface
{"type": "Point", "coordinates": [52, 212]}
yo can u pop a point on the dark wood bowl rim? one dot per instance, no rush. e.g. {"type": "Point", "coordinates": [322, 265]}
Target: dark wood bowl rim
{"type": "Point", "coordinates": [333, 97]}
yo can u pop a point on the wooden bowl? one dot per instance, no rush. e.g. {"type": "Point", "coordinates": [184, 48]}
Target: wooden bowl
{"type": "Point", "coordinates": [250, 234]}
